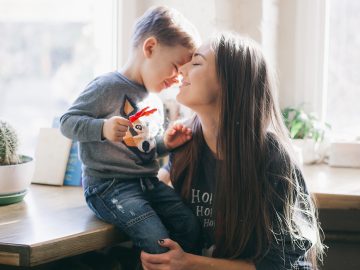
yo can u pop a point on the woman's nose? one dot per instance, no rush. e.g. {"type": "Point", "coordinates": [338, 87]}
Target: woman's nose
{"type": "Point", "coordinates": [175, 79]}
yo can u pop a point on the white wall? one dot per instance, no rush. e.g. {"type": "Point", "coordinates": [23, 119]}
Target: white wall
{"type": "Point", "coordinates": [209, 16]}
{"type": "Point", "coordinates": [286, 52]}
{"type": "Point", "coordinates": [301, 55]}
{"type": "Point", "coordinates": [243, 16]}
{"type": "Point", "coordinates": [289, 31]}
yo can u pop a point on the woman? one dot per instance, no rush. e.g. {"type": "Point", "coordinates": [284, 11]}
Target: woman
{"type": "Point", "coordinates": [237, 174]}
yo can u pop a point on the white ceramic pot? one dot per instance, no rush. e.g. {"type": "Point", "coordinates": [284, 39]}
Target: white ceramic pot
{"type": "Point", "coordinates": [16, 178]}
{"type": "Point", "coordinates": [309, 150]}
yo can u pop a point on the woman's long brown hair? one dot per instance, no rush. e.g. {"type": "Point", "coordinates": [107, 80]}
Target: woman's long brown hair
{"type": "Point", "coordinates": [244, 204]}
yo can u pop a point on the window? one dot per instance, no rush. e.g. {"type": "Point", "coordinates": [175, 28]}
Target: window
{"type": "Point", "coordinates": [49, 51]}
{"type": "Point", "coordinates": [343, 87]}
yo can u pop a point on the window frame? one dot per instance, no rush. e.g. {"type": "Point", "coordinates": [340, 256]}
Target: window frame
{"type": "Point", "coordinates": [311, 49]}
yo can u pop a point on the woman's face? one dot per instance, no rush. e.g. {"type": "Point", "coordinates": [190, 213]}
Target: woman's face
{"type": "Point", "coordinates": [200, 87]}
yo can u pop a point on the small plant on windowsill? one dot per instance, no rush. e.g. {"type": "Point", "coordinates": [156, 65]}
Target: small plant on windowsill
{"type": "Point", "coordinates": [306, 132]}
{"type": "Point", "coordinates": [15, 170]}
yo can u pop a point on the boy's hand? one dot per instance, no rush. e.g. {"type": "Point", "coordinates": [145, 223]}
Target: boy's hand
{"type": "Point", "coordinates": [177, 135]}
{"type": "Point", "coordinates": [114, 128]}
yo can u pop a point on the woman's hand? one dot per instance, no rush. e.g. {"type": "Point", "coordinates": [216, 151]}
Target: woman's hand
{"type": "Point", "coordinates": [174, 259]}
{"type": "Point", "coordinates": [176, 136]}
{"type": "Point", "coordinates": [177, 259]}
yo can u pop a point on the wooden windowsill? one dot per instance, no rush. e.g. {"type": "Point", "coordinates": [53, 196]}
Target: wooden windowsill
{"type": "Point", "coordinates": [55, 222]}
{"type": "Point", "coordinates": [334, 188]}
{"type": "Point", "coordinates": [51, 223]}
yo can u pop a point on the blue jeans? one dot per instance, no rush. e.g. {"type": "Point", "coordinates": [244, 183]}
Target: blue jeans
{"type": "Point", "coordinates": [145, 209]}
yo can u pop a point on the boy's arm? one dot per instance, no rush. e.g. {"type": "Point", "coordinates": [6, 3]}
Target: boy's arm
{"type": "Point", "coordinates": [161, 148]}
{"type": "Point", "coordinates": [83, 122]}
{"type": "Point", "coordinates": [81, 128]}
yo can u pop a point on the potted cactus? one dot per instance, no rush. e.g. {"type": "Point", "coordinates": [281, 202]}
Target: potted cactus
{"type": "Point", "coordinates": [15, 170]}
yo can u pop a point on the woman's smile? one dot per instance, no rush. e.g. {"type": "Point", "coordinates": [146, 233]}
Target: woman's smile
{"type": "Point", "coordinates": [184, 84]}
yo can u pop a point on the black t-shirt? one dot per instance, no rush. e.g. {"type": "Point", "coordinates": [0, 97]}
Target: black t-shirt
{"type": "Point", "coordinates": [201, 203]}
{"type": "Point", "coordinates": [202, 195]}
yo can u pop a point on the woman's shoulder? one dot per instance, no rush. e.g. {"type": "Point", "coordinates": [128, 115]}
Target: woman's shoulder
{"type": "Point", "coordinates": [279, 163]}
{"type": "Point", "coordinates": [276, 154]}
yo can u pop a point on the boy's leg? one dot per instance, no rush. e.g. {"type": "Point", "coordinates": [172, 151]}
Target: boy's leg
{"type": "Point", "coordinates": [181, 222]}
{"type": "Point", "coordinates": [123, 203]}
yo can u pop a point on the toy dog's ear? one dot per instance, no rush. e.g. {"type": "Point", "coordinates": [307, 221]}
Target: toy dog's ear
{"type": "Point", "coordinates": [128, 107]}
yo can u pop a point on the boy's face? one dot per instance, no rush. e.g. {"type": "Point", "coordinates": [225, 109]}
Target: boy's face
{"type": "Point", "coordinates": [161, 65]}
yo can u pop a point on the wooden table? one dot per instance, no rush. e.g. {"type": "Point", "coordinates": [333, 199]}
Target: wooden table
{"type": "Point", "coordinates": [51, 223]}
{"type": "Point", "coordinates": [54, 222]}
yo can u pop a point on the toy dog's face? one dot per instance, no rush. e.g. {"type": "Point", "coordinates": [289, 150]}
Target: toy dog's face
{"type": "Point", "coordinates": [138, 136]}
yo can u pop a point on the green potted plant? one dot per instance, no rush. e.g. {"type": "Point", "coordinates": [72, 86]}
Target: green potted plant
{"type": "Point", "coordinates": [306, 132]}
{"type": "Point", "coordinates": [15, 170]}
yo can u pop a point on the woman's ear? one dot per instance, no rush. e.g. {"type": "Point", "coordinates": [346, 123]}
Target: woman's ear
{"type": "Point", "coordinates": [149, 46]}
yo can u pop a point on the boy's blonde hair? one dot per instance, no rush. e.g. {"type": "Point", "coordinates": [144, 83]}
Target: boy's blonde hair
{"type": "Point", "coordinates": [168, 26]}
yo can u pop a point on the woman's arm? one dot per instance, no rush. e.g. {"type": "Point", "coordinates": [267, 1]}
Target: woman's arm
{"type": "Point", "coordinates": [202, 263]}
{"type": "Point", "coordinates": [177, 259]}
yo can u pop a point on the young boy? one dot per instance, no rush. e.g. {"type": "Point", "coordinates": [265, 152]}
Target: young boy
{"type": "Point", "coordinates": [115, 125]}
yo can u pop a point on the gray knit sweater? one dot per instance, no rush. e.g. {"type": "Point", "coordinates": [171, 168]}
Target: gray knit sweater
{"type": "Point", "coordinates": [110, 95]}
